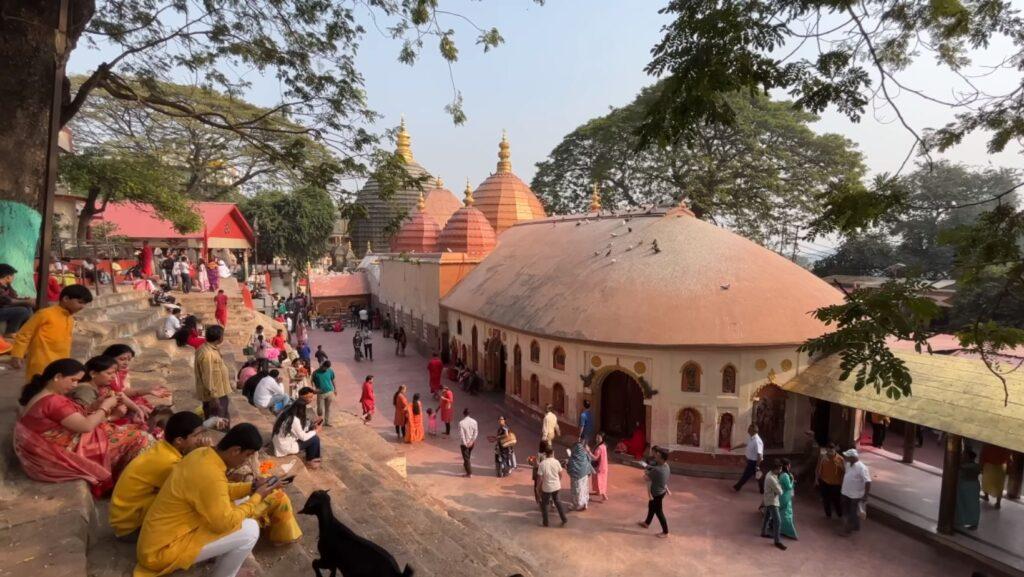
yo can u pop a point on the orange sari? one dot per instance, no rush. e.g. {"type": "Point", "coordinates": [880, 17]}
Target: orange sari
{"type": "Point", "coordinates": [414, 424]}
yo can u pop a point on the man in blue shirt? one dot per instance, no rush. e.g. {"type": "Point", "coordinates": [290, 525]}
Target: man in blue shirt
{"type": "Point", "coordinates": [305, 353]}
{"type": "Point", "coordinates": [586, 423]}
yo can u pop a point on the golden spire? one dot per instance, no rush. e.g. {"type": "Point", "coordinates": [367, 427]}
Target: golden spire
{"type": "Point", "coordinates": [438, 183]}
{"type": "Point", "coordinates": [422, 204]}
{"type": "Point", "coordinates": [469, 194]}
{"type": "Point", "coordinates": [403, 142]}
{"type": "Point", "coordinates": [504, 164]}
{"type": "Point", "coordinates": [595, 198]}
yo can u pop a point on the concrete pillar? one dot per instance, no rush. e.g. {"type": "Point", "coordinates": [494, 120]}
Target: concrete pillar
{"type": "Point", "coordinates": [1016, 474]}
{"type": "Point", "coordinates": [909, 441]}
{"type": "Point", "coordinates": [950, 475]}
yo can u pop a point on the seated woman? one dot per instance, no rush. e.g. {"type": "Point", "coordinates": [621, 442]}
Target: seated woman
{"type": "Point", "coordinates": [635, 445]}
{"type": "Point", "coordinates": [124, 355]}
{"type": "Point", "coordinates": [57, 440]}
{"type": "Point", "coordinates": [100, 374]}
{"type": "Point", "coordinates": [248, 370]}
{"type": "Point", "coordinates": [293, 432]}
{"type": "Point", "coordinates": [190, 333]}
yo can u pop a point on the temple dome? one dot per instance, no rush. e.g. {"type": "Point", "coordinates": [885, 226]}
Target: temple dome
{"type": "Point", "coordinates": [376, 229]}
{"type": "Point", "coordinates": [655, 278]}
{"type": "Point", "coordinates": [504, 198]}
{"type": "Point", "coordinates": [418, 234]}
{"type": "Point", "coordinates": [467, 231]}
{"type": "Point", "coordinates": [441, 203]}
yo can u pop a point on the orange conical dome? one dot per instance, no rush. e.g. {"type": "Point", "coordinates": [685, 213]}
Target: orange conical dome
{"type": "Point", "coordinates": [467, 230]}
{"type": "Point", "coordinates": [504, 198]}
{"type": "Point", "coordinates": [418, 234]}
{"type": "Point", "coordinates": [441, 203]}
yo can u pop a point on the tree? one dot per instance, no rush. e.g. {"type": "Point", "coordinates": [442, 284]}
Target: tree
{"type": "Point", "coordinates": [855, 55]}
{"type": "Point", "coordinates": [763, 176]}
{"type": "Point", "coordinates": [101, 178]}
{"type": "Point", "coordinates": [295, 226]}
{"type": "Point", "coordinates": [867, 254]}
{"type": "Point", "coordinates": [209, 163]}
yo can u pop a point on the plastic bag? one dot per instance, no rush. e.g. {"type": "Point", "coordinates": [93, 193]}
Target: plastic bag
{"type": "Point", "coordinates": [862, 509]}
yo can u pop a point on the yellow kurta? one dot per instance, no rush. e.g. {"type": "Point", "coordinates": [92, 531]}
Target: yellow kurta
{"type": "Point", "coordinates": [138, 486]}
{"type": "Point", "coordinates": [212, 377]}
{"type": "Point", "coordinates": [194, 507]}
{"type": "Point", "coordinates": [44, 338]}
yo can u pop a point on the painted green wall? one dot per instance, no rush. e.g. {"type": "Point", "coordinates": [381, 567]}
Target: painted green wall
{"type": "Point", "coordinates": [19, 235]}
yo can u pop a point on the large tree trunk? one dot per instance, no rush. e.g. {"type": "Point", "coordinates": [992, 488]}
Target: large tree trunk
{"type": "Point", "coordinates": [89, 210]}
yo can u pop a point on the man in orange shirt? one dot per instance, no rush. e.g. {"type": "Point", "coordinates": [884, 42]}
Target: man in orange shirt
{"type": "Point", "coordinates": [829, 478]}
{"type": "Point", "coordinates": [46, 337]}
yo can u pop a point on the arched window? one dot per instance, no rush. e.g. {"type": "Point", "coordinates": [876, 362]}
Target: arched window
{"type": "Point", "coordinates": [464, 355]}
{"type": "Point", "coordinates": [725, 431]}
{"type": "Point", "coordinates": [474, 351]}
{"type": "Point", "coordinates": [558, 398]}
{"type": "Point", "coordinates": [729, 380]}
{"type": "Point", "coordinates": [517, 371]}
{"type": "Point", "coordinates": [558, 358]}
{"type": "Point", "coordinates": [691, 378]}
{"type": "Point", "coordinates": [458, 327]}
{"type": "Point", "coordinates": [688, 428]}
{"type": "Point", "coordinates": [534, 390]}
{"type": "Point", "coordinates": [534, 352]}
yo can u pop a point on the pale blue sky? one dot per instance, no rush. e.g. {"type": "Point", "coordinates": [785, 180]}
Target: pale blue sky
{"type": "Point", "coordinates": [562, 64]}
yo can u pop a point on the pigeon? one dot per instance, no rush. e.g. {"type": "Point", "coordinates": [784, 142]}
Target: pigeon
{"type": "Point", "coordinates": [596, 253]}
{"type": "Point", "coordinates": [725, 286]}
{"type": "Point", "coordinates": [629, 229]}
{"type": "Point", "coordinates": [614, 235]}
{"type": "Point", "coordinates": [654, 246]}
{"type": "Point", "coordinates": [613, 261]}
{"type": "Point", "coordinates": [578, 223]}
{"type": "Point", "coordinates": [609, 253]}
{"type": "Point", "coordinates": [628, 248]}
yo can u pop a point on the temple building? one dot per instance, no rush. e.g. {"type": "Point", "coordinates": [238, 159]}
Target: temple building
{"type": "Point", "coordinates": [662, 321]}
{"type": "Point", "coordinates": [440, 203]}
{"type": "Point", "coordinates": [504, 198]}
{"type": "Point", "coordinates": [373, 232]}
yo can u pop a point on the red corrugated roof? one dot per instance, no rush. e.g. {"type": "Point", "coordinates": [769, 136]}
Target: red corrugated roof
{"type": "Point", "coordinates": [339, 284]}
{"type": "Point", "coordinates": [137, 220]}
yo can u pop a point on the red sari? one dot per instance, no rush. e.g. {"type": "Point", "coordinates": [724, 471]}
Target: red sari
{"type": "Point", "coordinates": [401, 404]}
{"type": "Point", "coordinates": [447, 406]}
{"type": "Point", "coordinates": [51, 453]}
{"type": "Point", "coordinates": [367, 399]}
{"type": "Point", "coordinates": [221, 311]}
{"type": "Point", "coordinates": [414, 429]}
{"type": "Point", "coordinates": [435, 367]}
{"type": "Point", "coordinates": [635, 445]}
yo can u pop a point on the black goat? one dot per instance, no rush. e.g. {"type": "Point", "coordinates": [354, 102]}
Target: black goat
{"type": "Point", "coordinates": [342, 550]}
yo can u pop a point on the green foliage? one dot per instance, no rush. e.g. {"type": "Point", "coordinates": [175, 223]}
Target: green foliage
{"type": "Point", "coordinates": [295, 226]}
{"type": "Point", "coordinates": [105, 178]}
{"type": "Point", "coordinates": [868, 254]}
{"type": "Point", "coordinates": [762, 176]}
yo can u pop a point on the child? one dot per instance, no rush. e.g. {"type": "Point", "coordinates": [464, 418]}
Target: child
{"type": "Point", "coordinates": [46, 337]}
{"type": "Point", "coordinates": [431, 422]}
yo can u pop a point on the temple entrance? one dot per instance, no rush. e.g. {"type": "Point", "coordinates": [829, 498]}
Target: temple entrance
{"type": "Point", "coordinates": [495, 363]}
{"type": "Point", "coordinates": [622, 405]}
{"type": "Point", "coordinates": [770, 416]}
{"type": "Point", "coordinates": [473, 360]}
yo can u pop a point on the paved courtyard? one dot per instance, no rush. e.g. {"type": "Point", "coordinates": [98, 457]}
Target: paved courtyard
{"type": "Point", "coordinates": [714, 531]}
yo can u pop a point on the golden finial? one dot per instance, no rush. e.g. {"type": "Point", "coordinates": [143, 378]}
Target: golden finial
{"type": "Point", "coordinates": [469, 194]}
{"type": "Point", "coordinates": [403, 142]}
{"type": "Point", "coordinates": [504, 164]}
{"type": "Point", "coordinates": [369, 248]}
{"type": "Point", "coordinates": [595, 198]}
{"type": "Point", "coordinates": [438, 183]}
{"type": "Point", "coordinates": [422, 204]}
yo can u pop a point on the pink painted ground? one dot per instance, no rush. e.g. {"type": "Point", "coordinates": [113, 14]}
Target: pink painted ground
{"type": "Point", "coordinates": [714, 531]}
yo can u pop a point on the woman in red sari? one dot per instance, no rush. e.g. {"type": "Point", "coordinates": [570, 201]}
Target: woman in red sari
{"type": "Point", "coordinates": [635, 445]}
{"type": "Point", "coordinates": [221, 311]}
{"type": "Point", "coordinates": [56, 440]}
{"type": "Point", "coordinates": [414, 418]}
{"type": "Point", "coordinates": [101, 376]}
{"type": "Point", "coordinates": [367, 399]}
{"type": "Point", "coordinates": [447, 408]}
{"type": "Point", "coordinates": [401, 404]}
{"type": "Point", "coordinates": [124, 355]}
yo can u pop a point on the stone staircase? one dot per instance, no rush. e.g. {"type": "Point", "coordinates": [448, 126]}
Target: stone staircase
{"type": "Point", "coordinates": [58, 530]}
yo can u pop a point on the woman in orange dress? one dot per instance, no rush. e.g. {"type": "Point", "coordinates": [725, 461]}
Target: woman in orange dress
{"type": "Point", "coordinates": [401, 407]}
{"type": "Point", "coordinates": [57, 440]}
{"type": "Point", "coordinates": [414, 420]}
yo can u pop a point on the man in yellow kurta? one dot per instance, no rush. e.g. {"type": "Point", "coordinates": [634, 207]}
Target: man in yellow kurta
{"type": "Point", "coordinates": [195, 516]}
{"type": "Point", "coordinates": [213, 380]}
{"type": "Point", "coordinates": [46, 337]}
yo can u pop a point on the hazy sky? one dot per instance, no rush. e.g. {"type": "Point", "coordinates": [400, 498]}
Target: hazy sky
{"type": "Point", "coordinates": [562, 64]}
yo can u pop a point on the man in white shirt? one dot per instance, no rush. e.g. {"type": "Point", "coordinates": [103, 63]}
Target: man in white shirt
{"type": "Point", "coordinates": [549, 475]}
{"type": "Point", "coordinates": [171, 324]}
{"type": "Point", "coordinates": [468, 433]}
{"type": "Point", "coordinates": [771, 525]}
{"type": "Point", "coordinates": [755, 454]}
{"type": "Point", "coordinates": [549, 429]}
{"type": "Point", "coordinates": [364, 319]}
{"type": "Point", "coordinates": [856, 486]}
{"type": "Point", "coordinates": [270, 394]}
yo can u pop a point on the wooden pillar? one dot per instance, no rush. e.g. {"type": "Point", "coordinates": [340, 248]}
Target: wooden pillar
{"type": "Point", "coordinates": [909, 441]}
{"type": "Point", "coordinates": [950, 475]}
{"type": "Point", "coordinates": [1016, 474]}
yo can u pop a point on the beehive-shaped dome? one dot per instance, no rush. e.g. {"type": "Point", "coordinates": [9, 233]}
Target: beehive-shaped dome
{"type": "Point", "coordinates": [418, 234]}
{"type": "Point", "coordinates": [467, 231]}
{"type": "Point", "coordinates": [375, 229]}
{"type": "Point", "coordinates": [441, 203]}
{"type": "Point", "coordinates": [504, 198]}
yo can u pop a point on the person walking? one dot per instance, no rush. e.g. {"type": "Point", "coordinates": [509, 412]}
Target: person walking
{"type": "Point", "coordinates": [549, 430]}
{"type": "Point", "coordinates": [323, 380]}
{"type": "Point", "coordinates": [829, 478]}
{"type": "Point", "coordinates": [364, 318]}
{"type": "Point", "coordinates": [788, 485]}
{"type": "Point", "coordinates": [447, 409]}
{"type": "Point", "coordinates": [549, 472]}
{"type": "Point", "coordinates": [357, 345]}
{"type": "Point", "coordinates": [220, 311]}
{"type": "Point", "coordinates": [213, 379]}
{"type": "Point", "coordinates": [184, 272]}
{"type": "Point", "coordinates": [401, 403]}
{"type": "Point", "coordinates": [368, 344]}
{"type": "Point", "coordinates": [994, 461]}
{"type": "Point", "coordinates": [968, 488]}
{"type": "Point", "coordinates": [856, 487]}
{"type": "Point", "coordinates": [586, 422]}
{"type": "Point", "coordinates": [755, 454]}
{"type": "Point", "coordinates": [321, 355]}
{"type": "Point", "coordinates": [468, 432]}
{"type": "Point", "coordinates": [434, 369]}
{"type": "Point", "coordinates": [202, 277]}
{"type": "Point", "coordinates": [599, 458]}
{"type": "Point", "coordinates": [504, 449]}
{"type": "Point", "coordinates": [414, 420]}
{"type": "Point", "coordinates": [579, 469]}
{"type": "Point", "coordinates": [879, 426]}
{"type": "Point", "coordinates": [400, 341]}
{"type": "Point", "coordinates": [367, 400]}
{"type": "Point", "coordinates": [386, 326]}
{"type": "Point", "coordinates": [771, 525]}
{"type": "Point", "coordinates": [657, 476]}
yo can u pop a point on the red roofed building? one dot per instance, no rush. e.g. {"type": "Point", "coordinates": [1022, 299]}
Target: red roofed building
{"type": "Point", "coordinates": [333, 293]}
{"type": "Point", "coordinates": [223, 226]}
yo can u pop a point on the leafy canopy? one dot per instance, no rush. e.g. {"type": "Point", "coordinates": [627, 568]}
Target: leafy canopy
{"type": "Point", "coordinates": [295, 226]}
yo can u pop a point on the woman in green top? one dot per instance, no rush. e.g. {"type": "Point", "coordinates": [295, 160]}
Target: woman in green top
{"type": "Point", "coordinates": [323, 380]}
{"type": "Point", "coordinates": [788, 528]}
{"type": "Point", "coordinates": [968, 489]}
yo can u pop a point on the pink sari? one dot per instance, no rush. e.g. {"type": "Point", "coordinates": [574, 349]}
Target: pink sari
{"type": "Point", "coordinates": [600, 477]}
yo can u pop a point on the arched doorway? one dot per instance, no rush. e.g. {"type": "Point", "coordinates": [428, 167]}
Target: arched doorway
{"type": "Point", "coordinates": [770, 415]}
{"type": "Point", "coordinates": [517, 371]}
{"type": "Point", "coordinates": [474, 350]}
{"type": "Point", "coordinates": [622, 405]}
{"type": "Point", "coordinates": [495, 364]}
